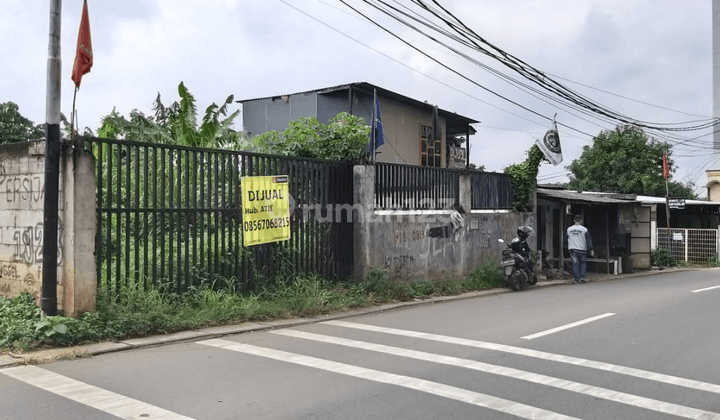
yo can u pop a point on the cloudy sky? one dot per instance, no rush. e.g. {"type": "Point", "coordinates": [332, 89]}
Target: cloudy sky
{"type": "Point", "coordinates": [650, 60]}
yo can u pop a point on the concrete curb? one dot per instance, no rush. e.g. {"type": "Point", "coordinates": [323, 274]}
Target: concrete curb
{"type": "Point", "coordinates": [51, 355]}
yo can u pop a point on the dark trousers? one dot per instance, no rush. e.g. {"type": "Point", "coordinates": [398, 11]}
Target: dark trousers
{"type": "Point", "coordinates": [579, 265]}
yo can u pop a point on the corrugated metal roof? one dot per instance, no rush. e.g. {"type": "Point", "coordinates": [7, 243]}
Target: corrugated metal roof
{"type": "Point", "coordinates": [611, 198]}
{"type": "Point", "coordinates": [368, 88]}
{"type": "Point", "coordinates": [590, 198]}
{"type": "Point", "coordinates": [644, 199]}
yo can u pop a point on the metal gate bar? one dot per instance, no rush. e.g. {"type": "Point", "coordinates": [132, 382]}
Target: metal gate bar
{"type": "Point", "coordinates": [689, 245]}
{"type": "Point", "coordinates": [172, 215]}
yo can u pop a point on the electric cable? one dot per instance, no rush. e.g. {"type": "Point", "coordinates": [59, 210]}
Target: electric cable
{"type": "Point", "coordinates": [472, 40]}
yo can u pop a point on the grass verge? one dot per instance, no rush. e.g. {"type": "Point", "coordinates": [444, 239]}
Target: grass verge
{"type": "Point", "coordinates": [135, 310]}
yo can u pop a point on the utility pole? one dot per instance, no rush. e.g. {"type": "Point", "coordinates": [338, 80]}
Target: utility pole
{"type": "Point", "coordinates": [48, 300]}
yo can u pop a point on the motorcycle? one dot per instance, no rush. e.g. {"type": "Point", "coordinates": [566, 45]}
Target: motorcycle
{"type": "Point", "coordinates": [517, 261]}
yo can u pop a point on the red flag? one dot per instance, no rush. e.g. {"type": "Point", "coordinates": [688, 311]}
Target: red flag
{"type": "Point", "coordinates": [83, 55]}
{"type": "Point", "coordinates": [666, 169]}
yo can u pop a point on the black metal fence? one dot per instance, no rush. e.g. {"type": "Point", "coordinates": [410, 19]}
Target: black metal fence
{"type": "Point", "coordinates": [407, 187]}
{"type": "Point", "coordinates": [173, 215]}
{"type": "Point", "coordinates": [491, 191]}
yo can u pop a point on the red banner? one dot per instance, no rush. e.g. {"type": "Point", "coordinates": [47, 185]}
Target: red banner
{"type": "Point", "coordinates": [83, 55]}
{"type": "Point", "coordinates": [666, 169]}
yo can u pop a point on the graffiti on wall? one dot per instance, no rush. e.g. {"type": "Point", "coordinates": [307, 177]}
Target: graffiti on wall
{"type": "Point", "coordinates": [28, 244]}
{"type": "Point", "coordinates": [422, 241]}
{"type": "Point", "coordinates": [399, 263]}
{"type": "Point", "coordinates": [22, 188]}
{"type": "Point", "coordinates": [22, 276]}
{"type": "Point", "coordinates": [403, 236]}
{"type": "Point", "coordinates": [22, 234]}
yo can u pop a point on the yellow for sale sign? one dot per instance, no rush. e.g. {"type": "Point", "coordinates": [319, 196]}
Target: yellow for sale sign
{"type": "Point", "coordinates": [266, 209]}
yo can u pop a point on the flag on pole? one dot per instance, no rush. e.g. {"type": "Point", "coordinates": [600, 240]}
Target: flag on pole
{"type": "Point", "coordinates": [83, 55]}
{"type": "Point", "coordinates": [550, 145]}
{"type": "Point", "coordinates": [666, 168]}
{"type": "Point", "coordinates": [376, 132]}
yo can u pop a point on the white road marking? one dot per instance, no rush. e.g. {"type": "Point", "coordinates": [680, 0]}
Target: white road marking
{"type": "Point", "coordinates": [607, 394]}
{"type": "Point", "coordinates": [98, 398]}
{"type": "Point", "coordinates": [568, 326]}
{"type": "Point", "coordinates": [609, 367]}
{"type": "Point", "coordinates": [707, 288]}
{"type": "Point", "coordinates": [447, 391]}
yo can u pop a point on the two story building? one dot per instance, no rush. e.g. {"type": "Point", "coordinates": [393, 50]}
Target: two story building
{"type": "Point", "coordinates": [415, 132]}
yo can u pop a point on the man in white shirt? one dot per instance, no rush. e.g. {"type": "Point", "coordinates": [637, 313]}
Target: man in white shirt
{"type": "Point", "coordinates": [579, 243]}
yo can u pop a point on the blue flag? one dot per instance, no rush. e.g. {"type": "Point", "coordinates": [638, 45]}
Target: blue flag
{"type": "Point", "coordinates": [376, 132]}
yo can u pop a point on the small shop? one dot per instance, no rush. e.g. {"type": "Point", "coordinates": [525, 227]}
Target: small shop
{"type": "Point", "coordinates": [618, 225]}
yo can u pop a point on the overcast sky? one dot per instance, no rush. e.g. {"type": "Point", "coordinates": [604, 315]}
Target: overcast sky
{"type": "Point", "coordinates": [655, 53]}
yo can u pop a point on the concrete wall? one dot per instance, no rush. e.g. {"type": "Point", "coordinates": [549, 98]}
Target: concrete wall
{"type": "Point", "coordinates": [427, 245]}
{"type": "Point", "coordinates": [22, 190]}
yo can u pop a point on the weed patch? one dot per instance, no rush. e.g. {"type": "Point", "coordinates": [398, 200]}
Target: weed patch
{"type": "Point", "coordinates": [137, 309]}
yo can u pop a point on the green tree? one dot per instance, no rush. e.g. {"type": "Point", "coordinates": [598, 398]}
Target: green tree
{"type": "Point", "coordinates": [177, 124]}
{"type": "Point", "coordinates": [625, 160]}
{"type": "Point", "coordinates": [15, 128]}
{"type": "Point", "coordinates": [346, 137]}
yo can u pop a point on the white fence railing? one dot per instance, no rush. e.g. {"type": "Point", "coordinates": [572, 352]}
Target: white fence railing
{"type": "Point", "coordinates": [689, 245]}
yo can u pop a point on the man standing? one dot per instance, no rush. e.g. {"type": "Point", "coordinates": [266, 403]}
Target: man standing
{"type": "Point", "coordinates": [579, 243]}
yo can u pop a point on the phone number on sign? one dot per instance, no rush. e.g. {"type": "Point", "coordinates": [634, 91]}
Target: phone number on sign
{"type": "Point", "coordinates": [280, 222]}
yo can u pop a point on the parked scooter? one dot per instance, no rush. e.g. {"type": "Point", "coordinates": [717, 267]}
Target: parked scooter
{"type": "Point", "coordinates": [517, 260]}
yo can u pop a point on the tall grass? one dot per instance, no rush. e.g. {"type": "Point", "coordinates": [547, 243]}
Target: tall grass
{"type": "Point", "coordinates": [139, 308]}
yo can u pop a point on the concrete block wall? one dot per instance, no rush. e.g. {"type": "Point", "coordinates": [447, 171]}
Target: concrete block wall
{"type": "Point", "coordinates": [427, 245]}
{"type": "Point", "coordinates": [22, 194]}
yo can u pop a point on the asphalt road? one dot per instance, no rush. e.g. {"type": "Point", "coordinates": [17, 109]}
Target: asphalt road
{"type": "Point", "coordinates": [640, 348]}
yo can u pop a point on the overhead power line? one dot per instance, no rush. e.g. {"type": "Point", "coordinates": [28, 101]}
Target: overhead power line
{"type": "Point", "coordinates": [440, 21]}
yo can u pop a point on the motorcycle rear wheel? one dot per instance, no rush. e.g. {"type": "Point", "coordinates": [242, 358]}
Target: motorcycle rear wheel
{"type": "Point", "coordinates": [513, 280]}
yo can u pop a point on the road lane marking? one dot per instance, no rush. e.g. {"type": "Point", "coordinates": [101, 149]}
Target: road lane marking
{"type": "Point", "coordinates": [98, 398]}
{"type": "Point", "coordinates": [568, 326]}
{"type": "Point", "coordinates": [705, 289]}
{"type": "Point", "coordinates": [598, 392]}
{"type": "Point", "coordinates": [609, 367]}
{"type": "Point", "coordinates": [446, 391]}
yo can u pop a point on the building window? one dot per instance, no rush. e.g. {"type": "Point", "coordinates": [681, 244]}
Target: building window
{"type": "Point", "coordinates": [430, 150]}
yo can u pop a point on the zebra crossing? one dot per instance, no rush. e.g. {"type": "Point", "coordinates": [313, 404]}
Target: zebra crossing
{"type": "Point", "coordinates": [326, 334]}
{"type": "Point", "coordinates": [479, 399]}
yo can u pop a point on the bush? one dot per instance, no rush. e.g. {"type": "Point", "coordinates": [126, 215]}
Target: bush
{"type": "Point", "coordinates": [662, 257]}
{"type": "Point", "coordinates": [487, 276]}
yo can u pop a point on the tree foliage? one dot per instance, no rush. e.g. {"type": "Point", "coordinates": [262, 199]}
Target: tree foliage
{"type": "Point", "coordinates": [346, 137]}
{"type": "Point", "coordinates": [176, 124]}
{"type": "Point", "coordinates": [16, 128]}
{"type": "Point", "coordinates": [523, 177]}
{"type": "Point", "coordinates": [625, 160]}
